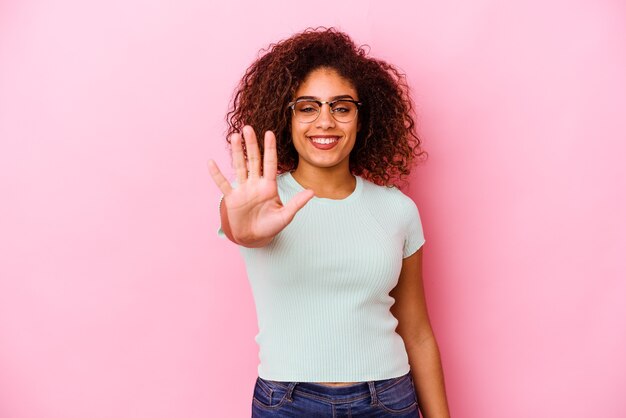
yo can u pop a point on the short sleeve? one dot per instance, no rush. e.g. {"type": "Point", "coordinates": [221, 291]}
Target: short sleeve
{"type": "Point", "coordinates": [220, 232]}
{"type": "Point", "coordinates": [414, 235]}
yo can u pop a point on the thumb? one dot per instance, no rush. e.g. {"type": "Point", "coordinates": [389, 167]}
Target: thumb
{"type": "Point", "coordinates": [297, 202]}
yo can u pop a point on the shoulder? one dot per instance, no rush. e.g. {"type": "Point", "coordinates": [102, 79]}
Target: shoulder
{"type": "Point", "coordinates": [389, 196]}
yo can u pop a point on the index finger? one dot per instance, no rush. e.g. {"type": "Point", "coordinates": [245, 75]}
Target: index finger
{"type": "Point", "coordinates": [270, 160]}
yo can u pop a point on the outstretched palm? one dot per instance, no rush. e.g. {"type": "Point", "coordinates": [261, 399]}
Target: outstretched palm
{"type": "Point", "coordinates": [255, 211]}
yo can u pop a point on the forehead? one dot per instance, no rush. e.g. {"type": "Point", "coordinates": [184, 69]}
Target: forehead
{"type": "Point", "coordinates": [325, 83]}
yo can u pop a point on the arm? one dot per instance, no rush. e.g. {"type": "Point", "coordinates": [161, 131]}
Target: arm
{"type": "Point", "coordinates": [414, 328]}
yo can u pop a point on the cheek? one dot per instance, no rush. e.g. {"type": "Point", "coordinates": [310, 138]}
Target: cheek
{"type": "Point", "coordinates": [296, 131]}
{"type": "Point", "coordinates": [297, 138]}
{"type": "Point", "coordinates": [355, 130]}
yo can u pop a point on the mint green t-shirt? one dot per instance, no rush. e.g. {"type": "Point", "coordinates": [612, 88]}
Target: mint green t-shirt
{"type": "Point", "coordinates": [321, 287]}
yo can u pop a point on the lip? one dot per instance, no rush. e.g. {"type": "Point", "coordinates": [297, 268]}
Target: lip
{"type": "Point", "coordinates": [324, 146]}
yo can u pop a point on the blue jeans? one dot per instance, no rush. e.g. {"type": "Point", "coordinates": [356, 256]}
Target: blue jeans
{"type": "Point", "coordinates": [380, 398]}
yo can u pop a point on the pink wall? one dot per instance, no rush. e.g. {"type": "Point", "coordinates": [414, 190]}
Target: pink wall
{"type": "Point", "coordinates": [117, 299]}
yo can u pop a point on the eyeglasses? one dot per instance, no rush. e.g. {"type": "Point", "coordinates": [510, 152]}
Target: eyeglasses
{"type": "Point", "coordinates": [308, 110]}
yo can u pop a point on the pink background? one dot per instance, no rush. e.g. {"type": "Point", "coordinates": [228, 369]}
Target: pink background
{"type": "Point", "coordinates": [117, 299]}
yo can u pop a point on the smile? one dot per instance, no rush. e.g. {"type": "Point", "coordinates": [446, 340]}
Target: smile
{"type": "Point", "coordinates": [324, 139]}
{"type": "Point", "coordinates": [324, 142]}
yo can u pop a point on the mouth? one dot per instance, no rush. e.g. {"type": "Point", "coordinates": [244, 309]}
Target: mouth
{"type": "Point", "coordinates": [324, 142]}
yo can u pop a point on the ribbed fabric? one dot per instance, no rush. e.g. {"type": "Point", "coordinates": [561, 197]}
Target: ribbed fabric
{"type": "Point", "coordinates": [321, 287]}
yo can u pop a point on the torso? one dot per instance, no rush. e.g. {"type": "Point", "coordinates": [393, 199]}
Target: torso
{"type": "Point", "coordinates": [381, 246]}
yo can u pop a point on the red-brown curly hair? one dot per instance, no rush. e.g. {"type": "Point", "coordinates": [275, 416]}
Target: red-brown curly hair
{"type": "Point", "coordinates": [386, 145]}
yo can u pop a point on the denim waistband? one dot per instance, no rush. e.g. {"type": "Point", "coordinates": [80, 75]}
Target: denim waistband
{"type": "Point", "coordinates": [336, 393]}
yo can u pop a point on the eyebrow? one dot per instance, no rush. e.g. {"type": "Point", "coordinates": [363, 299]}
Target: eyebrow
{"type": "Point", "coordinates": [343, 96]}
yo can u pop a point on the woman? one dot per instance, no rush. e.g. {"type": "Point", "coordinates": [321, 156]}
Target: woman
{"type": "Point", "coordinates": [332, 249]}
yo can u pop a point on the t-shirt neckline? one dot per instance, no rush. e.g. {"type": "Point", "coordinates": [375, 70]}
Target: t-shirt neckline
{"type": "Point", "coordinates": [352, 196]}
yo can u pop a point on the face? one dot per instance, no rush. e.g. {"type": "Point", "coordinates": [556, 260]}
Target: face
{"type": "Point", "coordinates": [324, 143]}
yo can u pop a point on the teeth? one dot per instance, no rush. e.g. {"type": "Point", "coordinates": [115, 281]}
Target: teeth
{"type": "Point", "coordinates": [324, 140]}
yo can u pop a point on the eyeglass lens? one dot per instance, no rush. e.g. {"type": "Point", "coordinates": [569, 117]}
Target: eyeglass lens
{"type": "Point", "coordinates": [308, 111]}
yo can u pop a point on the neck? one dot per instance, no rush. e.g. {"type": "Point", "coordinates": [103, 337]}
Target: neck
{"type": "Point", "coordinates": [329, 182]}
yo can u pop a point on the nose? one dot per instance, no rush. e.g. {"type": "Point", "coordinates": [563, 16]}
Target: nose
{"type": "Point", "coordinates": [325, 119]}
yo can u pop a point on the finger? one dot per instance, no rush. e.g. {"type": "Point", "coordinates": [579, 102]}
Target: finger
{"type": "Point", "coordinates": [239, 161]}
{"type": "Point", "coordinates": [270, 161]}
{"type": "Point", "coordinates": [219, 178]}
{"type": "Point", "coordinates": [252, 152]}
{"type": "Point", "coordinates": [297, 202]}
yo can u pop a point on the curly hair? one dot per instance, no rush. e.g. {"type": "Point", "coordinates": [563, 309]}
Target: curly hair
{"type": "Point", "coordinates": [386, 145]}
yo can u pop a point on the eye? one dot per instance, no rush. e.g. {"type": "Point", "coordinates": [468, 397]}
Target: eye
{"type": "Point", "coordinates": [343, 107]}
{"type": "Point", "coordinates": [307, 107]}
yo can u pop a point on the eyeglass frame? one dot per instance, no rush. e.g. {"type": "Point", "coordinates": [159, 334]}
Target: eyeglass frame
{"type": "Point", "coordinates": [292, 106]}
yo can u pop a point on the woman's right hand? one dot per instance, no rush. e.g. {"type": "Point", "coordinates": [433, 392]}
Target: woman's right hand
{"type": "Point", "coordinates": [254, 213]}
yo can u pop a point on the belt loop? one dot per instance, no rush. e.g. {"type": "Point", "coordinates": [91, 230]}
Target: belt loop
{"type": "Point", "coordinates": [290, 389]}
{"type": "Point", "coordinates": [373, 393]}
